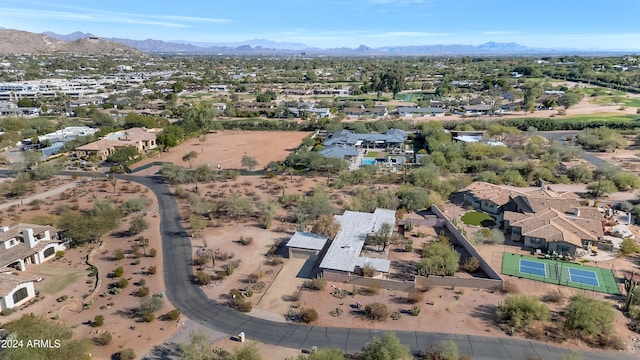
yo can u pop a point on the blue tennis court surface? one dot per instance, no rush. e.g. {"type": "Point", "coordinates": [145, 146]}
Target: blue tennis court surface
{"type": "Point", "coordinates": [583, 276]}
{"type": "Point", "coordinates": [533, 267]}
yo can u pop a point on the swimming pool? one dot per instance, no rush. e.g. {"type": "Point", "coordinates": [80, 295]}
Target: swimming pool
{"type": "Point", "coordinates": [366, 161]}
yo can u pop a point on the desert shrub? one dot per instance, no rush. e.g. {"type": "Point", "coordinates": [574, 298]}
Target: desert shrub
{"type": "Point", "coordinates": [203, 278]}
{"type": "Point", "coordinates": [98, 320]}
{"type": "Point", "coordinates": [554, 297]}
{"type": "Point", "coordinates": [308, 315]}
{"type": "Point", "coordinates": [149, 317]}
{"type": "Point", "coordinates": [142, 291]}
{"type": "Point", "coordinates": [444, 350]}
{"type": "Point", "coordinates": [59, 254]}
{"type": "Point", "coordinates": [415, 310]}
{"type": "Point", "coordinates": [246, 240]}
{"type": "Point", "coordinates": [133, 205]}
{"type": "Point", "coordinates": [629, 246]}
{"type": "Point", "coordinates": [150, 305]}
{"type": "Point", "coordinates": [590, 318]}
{"type": "Point", "coordinates": [317, 283]}
{"type": "Point", "coordinates": [125, 354]}
{"type": "Point", "coordinates": [153, 252]}
{"type": "Point", "coordinates": [241, 304]}
{"type": "Point", "coordinates": [152, 270]}
{"type": "Point", "coordinates": [509, 287]}
{"type": "Point", "coordinates": [520, 310]}
{"type": "Point", "coordinates": [142, 282]}
{"type": "Point", "coordinates": [634, 312]}
{"type": "Point", "coordinates": [415, 296]}
{"type": "Point", "coordinates": [138, 224]}
{"type": "Point", "coordinates": [173, 314]}
{"type": "Point", "coordinates": [118, 254]}
{"type": "Point", "coordinates": [368, 271]}
{"type": "Point", "coordinates": [7, 312]}
{"type": "Point", "coordinates": [395, 315]}
{"type": "Point", "coordinates": [376, 311]}
{"type": "Point", "coordinates": [118, 272]}
{"type": "Point", "coordinates": [103, 339]}
{"type": "Point", "coordinates": [471, 264]}
{"type": "Point", "coordinates": [229, 269]}
{"type": "Point", "coordinates": [122, 283]}
{"type": "Point", "coordinates": [408, 246]}
{"type": "Point", "coordinates": [62, 298]}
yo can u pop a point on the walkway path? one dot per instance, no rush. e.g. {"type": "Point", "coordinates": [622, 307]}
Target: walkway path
{"type": "Point", "coordinates": [40, 196]}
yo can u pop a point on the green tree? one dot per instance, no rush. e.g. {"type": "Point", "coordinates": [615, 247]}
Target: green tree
{"type": "Point", "coordinates": [30, 327]}
{"type": "Point", "coordinates": [236, 206]}
{"type": "Point", "coordinates": [626, 181]}
{"type": "Point", "coordinates": [329, 353]}
{"type": "Point", "coordinates": [444, 350]}
{"type": "Point", "coordinates": [520, 310]}
{"type": "Point", "coordinates": [190, 157]}
{"type": "Point", "coordinates": [580, 174]}
{"type": "Point", "coordinates": [249, 162]}
{"type": "Point", "coordinates": [123, 154]}
{"type": "Point", "coordinates": [388, 347]}
{"type": "Point", "coordinates": [326, 225]}
{"type": "Point", "coordinates": [439, 258]}
{"type": "Point", "coordinates": [569, 99]}
{"type": "Point", "coordinates": [413, 198]}
{"type": "Point", "coordinates": [267, 209]}
{"type": "Point", "coordinates": [602, 187]}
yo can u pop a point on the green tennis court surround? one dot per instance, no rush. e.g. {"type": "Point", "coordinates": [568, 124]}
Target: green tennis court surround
{"type": "Point", "coordinates": [560, 272]}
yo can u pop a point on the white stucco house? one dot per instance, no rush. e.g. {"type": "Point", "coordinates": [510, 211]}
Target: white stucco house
{"type": "Point", "coordinates": [24, 244]}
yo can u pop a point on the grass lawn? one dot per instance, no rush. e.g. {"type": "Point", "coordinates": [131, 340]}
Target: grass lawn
{"type": "Point", "coordinates": [599, 91]}
{"type": "Point", "coordinates": [599, 117]}
{"type": "Point", "coordinates": [57, 278]}
{"type": "Point", "coordinates": [633, 102]}
{"type": "Point", "coordinates": [375, 154]}
{"type": "Point", "coordinates": [478, 218]}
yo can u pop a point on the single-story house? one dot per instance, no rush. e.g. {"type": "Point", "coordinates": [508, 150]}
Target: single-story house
{"type": "Point", "coordinates": [342, 258]}
{"type": "Point", "coordinates": [15, 288]}
{"type": "Point", "coordinates": [25, 244]}
{"type": "Point", "coordinates": [357, 112]}
{"type": "Point", "coordinates": [339, 152]}
{"type": "Point", "coordinates": [306, 245]}
{"type": "Point", "coordinates": [418, 111]}
{"type": "Point", "coordinates": [392, 138]}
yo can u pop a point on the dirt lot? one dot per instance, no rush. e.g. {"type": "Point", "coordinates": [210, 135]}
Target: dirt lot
{"type": "Point", "coordinates": [227, 148]}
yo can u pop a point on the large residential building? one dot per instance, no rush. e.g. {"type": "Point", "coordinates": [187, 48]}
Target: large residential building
{"type": "Point", "coordinates": [541, 218]}
{"type": "Point", "coordinates": [25, 244]}
{"type": "Point", "coordinates": [140, 138]}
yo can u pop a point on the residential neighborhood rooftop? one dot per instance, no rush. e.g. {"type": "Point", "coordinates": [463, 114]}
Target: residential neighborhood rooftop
{"type": "Point", "coordinates": [307, 240]}
{"type": "Point", "coordinates": [344, 252]}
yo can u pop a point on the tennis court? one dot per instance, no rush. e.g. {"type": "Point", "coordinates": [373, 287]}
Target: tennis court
{"type": "Point", "coordinates": [560, 272]}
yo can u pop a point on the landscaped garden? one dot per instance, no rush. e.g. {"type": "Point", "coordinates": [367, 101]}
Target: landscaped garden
{"type": "Point", "coordinates": [477, 218]}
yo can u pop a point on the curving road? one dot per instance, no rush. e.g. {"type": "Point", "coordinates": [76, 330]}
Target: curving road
{"type": "Point", "coordinates": [192, 302]}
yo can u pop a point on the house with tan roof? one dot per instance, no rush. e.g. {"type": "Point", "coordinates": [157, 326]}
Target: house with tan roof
{"type": "Point", "coordinates": [554, 230]}
{"type": "Point", "coordinates": [141, 138]}
{"type": "Point", "coordinates": [24, 244]}
{"type": "Point", "coordinates": [15, 288]}
{"type": "Point", "coordinates": [540, 218]}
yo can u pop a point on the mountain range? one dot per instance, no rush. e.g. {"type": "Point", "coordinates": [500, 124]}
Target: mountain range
{"type": "Point", "coordinates": [269, 47]}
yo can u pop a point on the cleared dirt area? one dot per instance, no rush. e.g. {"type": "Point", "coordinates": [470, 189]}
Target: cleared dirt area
{"type": "Point", "coordinates": [227, 148]}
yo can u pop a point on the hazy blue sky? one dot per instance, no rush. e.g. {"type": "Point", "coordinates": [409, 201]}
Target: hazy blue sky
{"type": "Point", "coordinates": [613, 24]}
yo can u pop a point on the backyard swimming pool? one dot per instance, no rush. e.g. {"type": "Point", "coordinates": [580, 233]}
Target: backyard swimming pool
{"type": "Point", "coordinates": [366, 161]}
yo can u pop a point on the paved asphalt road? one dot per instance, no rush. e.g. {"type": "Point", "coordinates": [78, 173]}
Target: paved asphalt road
{"type": "Point", "coordinates": [560, 136]}
{"type": "Point", "coordinates": [192, 302]}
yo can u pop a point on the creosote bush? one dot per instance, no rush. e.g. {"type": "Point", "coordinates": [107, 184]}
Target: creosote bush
{"type": "Point", "coordinates": [376, 311]}
{"type": "Point", "coordinates": [308, 315]}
